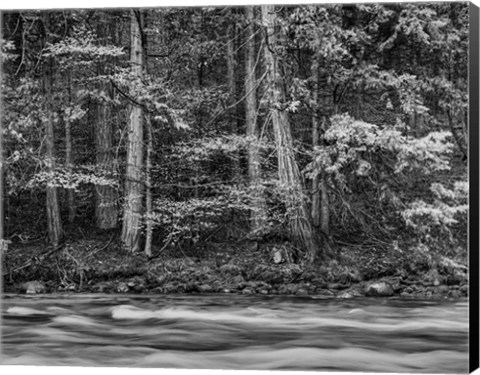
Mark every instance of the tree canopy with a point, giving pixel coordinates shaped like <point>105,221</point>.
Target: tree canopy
<point>322,126</point>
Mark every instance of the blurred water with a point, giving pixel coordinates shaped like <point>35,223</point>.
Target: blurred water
<point>236,332</point>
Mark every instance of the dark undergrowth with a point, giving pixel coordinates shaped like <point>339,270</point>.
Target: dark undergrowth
<point>248,267</point>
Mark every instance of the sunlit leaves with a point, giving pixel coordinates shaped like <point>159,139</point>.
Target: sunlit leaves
<point>72,180</point>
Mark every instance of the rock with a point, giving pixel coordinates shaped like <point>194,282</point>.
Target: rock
<point>442,289</point>
<point>247,291</point>
<point>325,292</point>
<point>33,287</point>
<point>277,257</point>
<point>347,294</point>
<point>380,289</point>
<point>408,290</point>
<point>464,289</point>
<point>263,291</point>
<point>238,280</point>
<point>230,269</point>
<point>122,287</point>
<point>301,292</point>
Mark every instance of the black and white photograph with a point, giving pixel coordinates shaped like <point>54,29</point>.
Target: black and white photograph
<point>262,186</point>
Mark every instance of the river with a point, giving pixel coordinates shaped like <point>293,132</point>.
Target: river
<point>236,332</point>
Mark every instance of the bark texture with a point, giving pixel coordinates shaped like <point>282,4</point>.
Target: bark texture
<point>3,245</point>
<point>106,196</point>
<point>320,198</point>
<point>68,155</point>
<point>232,91</point>
<point>300,227</point>
<point>55,231</point>
<point>258,216</point>
<point>106,211</point>
<point>316,199</point>
<point>148,198</point>
<point>133,212</point>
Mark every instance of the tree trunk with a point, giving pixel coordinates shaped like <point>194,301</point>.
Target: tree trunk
<point>258,214</point>
<point>106,211</point>
<point>232,93</point>
<point>324,196</point>
<point>315,137</point>
<point>68,153</point>
<point>132,218</point>
<point>148,199</point>
<point>3,244</point>
<point>106,196</point>
<point>54,222</point>
<point>300,227</point>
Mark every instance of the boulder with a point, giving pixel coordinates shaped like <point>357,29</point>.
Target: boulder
<point>301,292</point>
<point>33,287</point>
<point>380,289</point>
<point>122,287</point>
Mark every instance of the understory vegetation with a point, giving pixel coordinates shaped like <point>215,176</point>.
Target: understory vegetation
<point>271,150</point>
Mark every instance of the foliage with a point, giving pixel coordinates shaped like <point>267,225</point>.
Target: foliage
<point>379,165</point>
<point>390,80</point>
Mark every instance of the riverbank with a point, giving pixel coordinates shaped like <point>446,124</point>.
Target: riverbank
<point>248,268</point>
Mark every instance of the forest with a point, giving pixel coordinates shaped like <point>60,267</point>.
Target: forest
<point>303,150</point>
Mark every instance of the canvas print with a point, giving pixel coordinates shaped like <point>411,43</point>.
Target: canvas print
<point>261,187</point>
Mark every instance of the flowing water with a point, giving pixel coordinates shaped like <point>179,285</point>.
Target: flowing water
<point>236,332</point>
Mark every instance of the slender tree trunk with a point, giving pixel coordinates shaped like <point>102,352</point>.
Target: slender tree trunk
<point>132,219</point>
<point>300,227</point>
<point>3,244</point>
<point>258,215</point>
<point>232,91</point>
<point>148,198</point>
<point>106,211</point>
<point>68,154</point>
<point>315,137</point>
<point>324,196</point>
<point>320,198</point>
<point>54,222</point>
